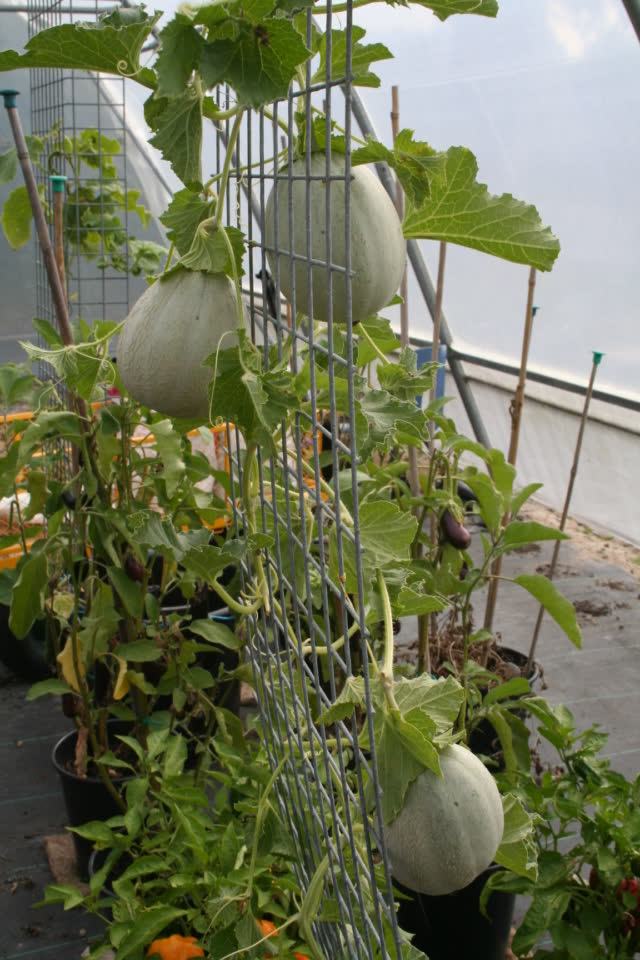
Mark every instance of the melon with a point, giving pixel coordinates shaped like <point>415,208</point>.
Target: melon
<point>450,827</point>
<point>378,248</point>
<point>175,325</point>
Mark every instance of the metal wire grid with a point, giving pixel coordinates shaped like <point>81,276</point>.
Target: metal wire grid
<point>321,792</point>
<point>71,102</point>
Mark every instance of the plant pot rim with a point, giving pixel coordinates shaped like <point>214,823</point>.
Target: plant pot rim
<point>89,778</point>
<point>522,658</point>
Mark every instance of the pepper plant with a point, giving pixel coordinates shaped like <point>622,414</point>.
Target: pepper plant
<point>586,900</point>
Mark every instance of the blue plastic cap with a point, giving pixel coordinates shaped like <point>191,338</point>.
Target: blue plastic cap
<point>597,357</point>
<point>9,97</point>
<point>58,181</point>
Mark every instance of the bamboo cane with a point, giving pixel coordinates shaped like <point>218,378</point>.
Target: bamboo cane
<point>517,405</point>
<point>597,357</point>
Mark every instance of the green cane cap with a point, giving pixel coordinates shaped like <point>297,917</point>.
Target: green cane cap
<point>58,181</point>
<point>597,357</point>
<point>9,97</point>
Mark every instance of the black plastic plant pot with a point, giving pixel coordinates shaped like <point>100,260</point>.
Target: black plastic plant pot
<point>452,927</point>
<point>484,740</point>
<point>85,798</point>
<point>29,658</point>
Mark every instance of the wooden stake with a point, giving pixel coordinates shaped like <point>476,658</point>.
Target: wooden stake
<point>517,405</point>
<point>597,357</point>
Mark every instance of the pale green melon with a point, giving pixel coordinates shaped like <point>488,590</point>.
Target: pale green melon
<point>171,330</point>
<point>450,827</point>
<point>378,249</point>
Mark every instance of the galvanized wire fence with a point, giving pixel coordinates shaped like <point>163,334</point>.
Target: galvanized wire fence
<point>64,105</point>
<point>327,784</point>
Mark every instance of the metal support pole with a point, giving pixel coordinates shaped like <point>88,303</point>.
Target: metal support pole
<point>597,357</point>
<point>425,282</point>
<point>633,9</point>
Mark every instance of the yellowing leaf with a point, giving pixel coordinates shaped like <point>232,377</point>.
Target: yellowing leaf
<point>122,686</point>
<point>68,668</point>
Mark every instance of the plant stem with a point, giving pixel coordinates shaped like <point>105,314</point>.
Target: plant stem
<point>374,346</point>
<point>169,258</point>
<point>226,168</point>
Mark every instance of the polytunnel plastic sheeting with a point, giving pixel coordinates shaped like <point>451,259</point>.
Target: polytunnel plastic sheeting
<point>547,96</point>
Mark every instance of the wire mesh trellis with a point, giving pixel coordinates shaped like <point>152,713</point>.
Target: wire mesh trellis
<point>327,784</point>
<point>65,104</point>
<point>326,780</point>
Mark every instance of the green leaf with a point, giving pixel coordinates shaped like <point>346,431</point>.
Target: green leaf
<point>67,895</point>
<point>379,330</point>
<point>518,850</point>
<point>414,161</point>
<point>461,210</point>
<point>49,425</point>
<point>128,590</point>
<point>259,63</point>
<point>518,533</point>
<point>522,496</point>
<point>8,165</point>
<point>182,217</point>
<point>515,687</point>
<point>383,421</point>
<point>109,46</point>
<point>16,218</point>
<point>169,446</point>
<point>209,251</point>
<point>448,8</point>
<point>175,756</point>
<point>490,501</point>
<point>216,633</point>
<point>38,493</point>
<point>146,926</point>
<point>45,687</point>
<point>411,603</point>
<point>403,379</point>
<point>557,606</point>
<point>17,383</point>
<point>386,531</point>
<point>351,696</point>
<point>27,601</point>
<point>362,56</point>
<point>139,651</point>
<point>96,831</point>
<point>397,742</point>
<point>180,49</point>
<point>440,699</point>
<point>178,126</point>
